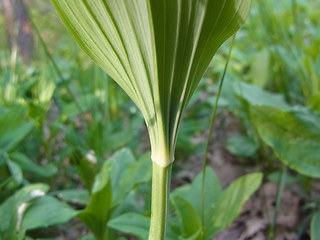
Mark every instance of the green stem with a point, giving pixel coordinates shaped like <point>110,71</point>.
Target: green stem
<point>212,120</point>
<point>159,202</point>
<point>280,190</point>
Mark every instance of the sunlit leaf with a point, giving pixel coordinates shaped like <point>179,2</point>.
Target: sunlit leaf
<point>232,200</point>
<point>260,68</point>
<point>157,51</point>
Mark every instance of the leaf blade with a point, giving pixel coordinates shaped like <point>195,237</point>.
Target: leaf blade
<point>293,136</point>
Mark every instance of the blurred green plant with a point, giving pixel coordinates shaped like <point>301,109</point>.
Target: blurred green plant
<point>290,62</point>
<point>30,208</point>
<point>14,128</point>
<point>110,192</point>
<point>110,187</point>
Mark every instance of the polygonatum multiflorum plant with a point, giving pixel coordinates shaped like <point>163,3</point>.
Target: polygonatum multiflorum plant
<point>157,51</point>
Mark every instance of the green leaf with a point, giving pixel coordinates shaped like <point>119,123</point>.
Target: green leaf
<point>44,88</point>
<point>127,172</point>
<point>13,128</point>
<point>232,200</point>
<point>221,207</point>
<point>86,166</point>
<point>314,102</point>
<point>121,160</point>
<point>118,176</point>
<point>78,196</point>
<point>192,192</point>
<point>46,211</point>
<point>28,165</point>
<point>132,223</point>
<point>315,230</point>
<point>189,218</point>
<point>87,237</point>
<point>15,171</point>
<point>293,135</point>
<point>157,51</point>
<point>8,210</point>
<point>260,68</point>
<point>276,178</point>
<point>124,135</point>
<point>134,174</point>
<point>84,103</point>
<point>242,146</point>
<point>256,95</point>
<point>97,213</point>
<point>131,203</point>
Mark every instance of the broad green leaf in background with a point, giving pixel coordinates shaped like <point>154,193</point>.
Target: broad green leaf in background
<point>293,135</point>
<point>232,200</point>
<point>260,68</point>
<point>84,103</point>
<point>221,206</point>
<point>44,212</point>
<point>28,165</point>
<point>276,178</point>
<point>87,237</point>
<point>75,196</point>
<point>189,218</point>
<point>157,51</point>
<point>130,203</point>
<point>117,177</point>
<point>97,213</point>
<point>123,136</point>
<point>13,128</point>
<point>44,88</point>
<point>242,146</point>
<point>314,102</point>
<point>192,191</point>
<point>315,230</point>
<point>132,223</point>
<point>86,165</point>
<point>15,171</point>
<point>120,160</point>
<point>133,174</point>
<point>256,95</point>
<point>8,210</point>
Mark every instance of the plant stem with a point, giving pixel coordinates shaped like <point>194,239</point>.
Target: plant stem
<point>159,203</point>
<point>212,120</point>
<point>280,190</point>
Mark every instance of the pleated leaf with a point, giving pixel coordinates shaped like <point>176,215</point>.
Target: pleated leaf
<point>156,50</point>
